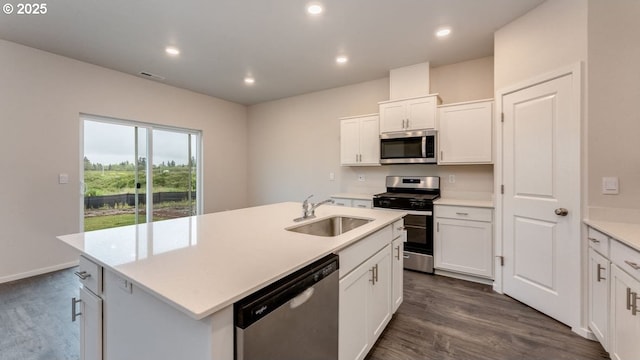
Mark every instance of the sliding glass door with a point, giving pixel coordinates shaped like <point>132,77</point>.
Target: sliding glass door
<point>134,173</point>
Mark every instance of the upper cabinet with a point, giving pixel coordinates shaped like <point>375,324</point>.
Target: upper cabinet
<point>360,140</point>
<point>465,133</point>
<point>409,114</point>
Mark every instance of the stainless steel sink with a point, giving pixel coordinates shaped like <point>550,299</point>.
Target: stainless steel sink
<point>332,226</point>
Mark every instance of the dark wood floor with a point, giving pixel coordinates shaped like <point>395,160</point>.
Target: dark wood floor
<point>441,318</point>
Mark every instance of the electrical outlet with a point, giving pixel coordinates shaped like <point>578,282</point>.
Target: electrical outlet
<point>452,179</point>
<point>332,176</point>
<point>360,177</point>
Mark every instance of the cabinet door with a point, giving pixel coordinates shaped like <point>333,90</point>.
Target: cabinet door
<point>599,296</point>
<point>354,339</point>
<point>349,141</point>
<point>370,140</point>
<point>464,246</point>
<point>392,117</point>
<point>90,326</point>
<point>466,133</point>
<point>421,113</point>
<point>397,249</point>
<point>625,326</point>
<point>380,296</point>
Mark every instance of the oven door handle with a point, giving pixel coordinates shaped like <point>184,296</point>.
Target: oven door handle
<point>414,227</point>
<point>424,147</point>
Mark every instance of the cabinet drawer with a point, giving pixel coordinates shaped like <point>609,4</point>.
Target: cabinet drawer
<point>342,202</point>
<point>365,204</point>
<point>626,258</point>
<point>464,213</point>
<point>359,252</point>
<point>90,275</point>
<point>598,241</point>
<point>397,228</point>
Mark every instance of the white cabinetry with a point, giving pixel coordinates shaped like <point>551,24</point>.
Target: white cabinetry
<point>625,302</point>
<point>397,253</point>
<point>614,294</point>
<point>464,240</point>
<point>88,309</point>
<point>360,141</point>
<point>352,202</point>
<point>409,114</point>
<point>465,133</point>
<point>599,275</point>
<point>366,290</point>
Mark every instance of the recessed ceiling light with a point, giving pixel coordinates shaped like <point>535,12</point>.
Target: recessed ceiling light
<point>314,9</point>
<point>342,59</point>
<point>249,80</point>
<point>172,50</point>
<point>443,32</point>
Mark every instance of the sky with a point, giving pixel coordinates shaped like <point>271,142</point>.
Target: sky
<point>112,144</point>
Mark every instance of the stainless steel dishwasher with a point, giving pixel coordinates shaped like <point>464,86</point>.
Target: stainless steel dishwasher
<point>296,318</point>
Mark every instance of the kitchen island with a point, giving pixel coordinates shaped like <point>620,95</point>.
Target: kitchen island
<point>169,287</point>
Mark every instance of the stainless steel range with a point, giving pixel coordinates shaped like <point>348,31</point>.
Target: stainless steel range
<point>415,195</point>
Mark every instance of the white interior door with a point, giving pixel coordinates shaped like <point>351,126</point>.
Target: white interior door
<point>541,177</point>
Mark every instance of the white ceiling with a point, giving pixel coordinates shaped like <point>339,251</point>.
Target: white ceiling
<point>287,51</point>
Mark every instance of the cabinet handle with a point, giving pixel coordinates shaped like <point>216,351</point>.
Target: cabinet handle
<point>376,272</point>
<point>438,227</point>
<point>635,266</point>
<point>595,241</point>
<point>373,275</point>
<point>600,268</point>
<point>74,313</point>
<point>82,275</point>
<point>407,123</point>
<point>634,303</point>
<point>462,213</point>
<point>628,298</point>
<point>441,155</point>
<point>398,252</point>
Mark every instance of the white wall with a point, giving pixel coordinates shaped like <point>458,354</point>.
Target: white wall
<point>295,142</point>
<point>465,81</point>
<point>40,100</point>
<point>547,38</point>
<point>614,115</point>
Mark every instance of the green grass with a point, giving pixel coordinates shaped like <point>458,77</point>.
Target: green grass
<point>110,221</point>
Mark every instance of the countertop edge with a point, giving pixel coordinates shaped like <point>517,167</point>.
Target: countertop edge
<point>626,233</point>
<point>384,221</point>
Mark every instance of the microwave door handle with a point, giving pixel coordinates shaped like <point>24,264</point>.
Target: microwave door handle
<point>424,146</point>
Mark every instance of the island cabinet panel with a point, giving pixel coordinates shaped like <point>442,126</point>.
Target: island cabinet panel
<point>137,325</point>
<point>397,254</point>
<point>365,306</point>
<point>90,326</point>
<point>599,275</point>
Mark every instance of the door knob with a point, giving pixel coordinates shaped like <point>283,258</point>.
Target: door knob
<point>562,211</point>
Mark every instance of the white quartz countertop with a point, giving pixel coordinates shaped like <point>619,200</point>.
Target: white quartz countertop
<point>626,233</point>
<point>202,264</point>
<point>464,202</point>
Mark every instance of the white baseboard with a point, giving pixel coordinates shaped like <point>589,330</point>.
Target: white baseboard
<point>35,272</point>
<point>584,332</point>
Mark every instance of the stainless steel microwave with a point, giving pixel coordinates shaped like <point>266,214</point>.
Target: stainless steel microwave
<point>411,147</point>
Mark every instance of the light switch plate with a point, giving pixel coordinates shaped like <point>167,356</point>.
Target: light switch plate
<point>610,186</point>
<point>63,178</point>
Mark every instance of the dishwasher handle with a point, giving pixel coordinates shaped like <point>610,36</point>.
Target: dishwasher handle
<point>302,298</point>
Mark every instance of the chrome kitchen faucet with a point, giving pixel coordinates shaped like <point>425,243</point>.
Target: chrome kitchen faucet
<point>309,209</point>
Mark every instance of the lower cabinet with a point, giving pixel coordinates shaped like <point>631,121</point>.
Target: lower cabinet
<point>625,316</point>
<point>365,305</point>
<point>397,254</point>
<point>464,240</point>
<point>349,202</point>
<point>599,296</point>
<point>90,325</point>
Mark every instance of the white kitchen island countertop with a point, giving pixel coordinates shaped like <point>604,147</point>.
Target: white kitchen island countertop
<point>202,264</point>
